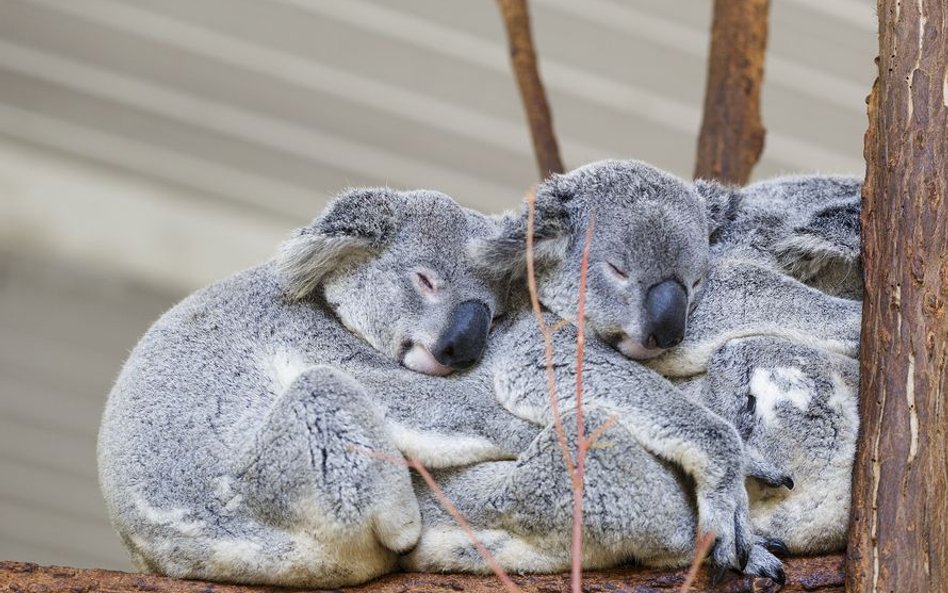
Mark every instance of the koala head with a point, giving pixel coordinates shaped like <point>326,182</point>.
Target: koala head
<point>647,258</point>
<point>394,268</point>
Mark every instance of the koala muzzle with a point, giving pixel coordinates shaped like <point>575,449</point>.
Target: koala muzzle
<point>462,342</point>
<point>666,312</point>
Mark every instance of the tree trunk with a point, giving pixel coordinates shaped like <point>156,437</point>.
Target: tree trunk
<point>524,61</point>
<point>823,574</point>
<point>897,536</point>
<point>732,135</point>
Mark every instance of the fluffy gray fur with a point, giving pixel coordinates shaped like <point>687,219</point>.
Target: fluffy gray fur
<point>242,439</point>
<point>667,467</point>
<point>237,442</point>
<point>796,408</point>
<point>774,312</point>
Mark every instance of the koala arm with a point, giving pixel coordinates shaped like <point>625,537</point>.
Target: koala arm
<point>661,418</point>
<point>446,421</point>
<point>744,299</point>
<point>317,461</point>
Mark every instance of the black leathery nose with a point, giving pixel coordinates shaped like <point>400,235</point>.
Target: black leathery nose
<point>666,313</point>
<point>463,340</point>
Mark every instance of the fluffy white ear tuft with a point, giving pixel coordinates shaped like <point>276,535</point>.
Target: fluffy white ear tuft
<point>357,223</point>
<point>306,259</point>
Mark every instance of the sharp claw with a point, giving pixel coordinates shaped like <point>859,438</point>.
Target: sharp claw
<point>776,547</point>
<point>780,577</point>
<point>788,482</point>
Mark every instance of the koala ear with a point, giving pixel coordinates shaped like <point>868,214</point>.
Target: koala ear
<point>830,236</point>
<point>505,254</point>
<point>722,202</point>
<point>357,223</point>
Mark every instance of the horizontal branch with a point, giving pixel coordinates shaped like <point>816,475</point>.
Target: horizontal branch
<point>817,573</point>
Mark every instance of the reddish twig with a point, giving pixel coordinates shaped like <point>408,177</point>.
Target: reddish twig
<point>547,331</point>
<point>702,547</point>
<point>582,445</point>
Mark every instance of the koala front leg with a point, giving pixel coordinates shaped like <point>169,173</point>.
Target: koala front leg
<point>661,418</point>
<point>634,508</point>
<point>311,468</point>
<point>744,299</point>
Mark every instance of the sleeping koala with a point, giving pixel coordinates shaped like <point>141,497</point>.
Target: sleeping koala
<point>806,225</point>
<point>677,447</point>
<point>796,409</point>
<point>241,440</point>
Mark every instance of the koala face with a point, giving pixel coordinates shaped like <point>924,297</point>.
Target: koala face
<point>647,259</point>
<point>394,268</point>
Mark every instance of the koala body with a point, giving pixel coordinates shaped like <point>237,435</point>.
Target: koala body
<point>667,450</point>
<point>796,409</point>
<point>242,439</point>
<point>774,316</point>
<point>667,467</point>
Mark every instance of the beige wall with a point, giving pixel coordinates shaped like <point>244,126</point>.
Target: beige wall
<point>150,146</point>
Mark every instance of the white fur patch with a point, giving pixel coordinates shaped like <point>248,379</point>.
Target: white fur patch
<point>283,367</point>
<point>173,518</point>
<point>776,385</point>
<point>436,450</point>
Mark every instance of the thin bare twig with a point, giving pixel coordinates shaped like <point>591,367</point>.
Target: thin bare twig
<point>524,62</point>
<point>547,331</point>
<point>452,510</point>
<point>702,547</point>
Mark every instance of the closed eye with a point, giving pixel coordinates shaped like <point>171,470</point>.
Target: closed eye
<point>425,284</point>
<point>617,271</point>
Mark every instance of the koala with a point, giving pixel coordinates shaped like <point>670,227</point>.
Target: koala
<point>248,436</point>
<point>658,419</point>
<point>796,409</point>
<point>807,226</point>
<point>667,467</point>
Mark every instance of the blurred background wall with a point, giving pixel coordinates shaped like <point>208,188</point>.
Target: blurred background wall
<point>148,147</point>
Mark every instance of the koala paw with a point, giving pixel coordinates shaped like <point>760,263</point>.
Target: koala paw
<point>762,563</point>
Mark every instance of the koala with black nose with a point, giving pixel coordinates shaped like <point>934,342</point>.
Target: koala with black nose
<point>248,437</point>
<point>648,257</point>
<point>682,441</point>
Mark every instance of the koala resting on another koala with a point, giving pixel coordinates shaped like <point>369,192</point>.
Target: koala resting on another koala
<point>790,390</point>
<point>248,437</point>
<point>668,464</point>
<point>238,442</point>
<point>806,428</point>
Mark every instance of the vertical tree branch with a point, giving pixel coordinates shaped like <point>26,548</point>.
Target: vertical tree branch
<point>524,61</point>
<point>732,135</point>
<point>898,535</point>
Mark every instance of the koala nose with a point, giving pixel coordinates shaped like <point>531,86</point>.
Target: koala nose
<point>666,311</point>
<point>462,343</point>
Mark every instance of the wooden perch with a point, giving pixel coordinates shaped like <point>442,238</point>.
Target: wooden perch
<point>732,135</point>
<point>524,61</point>
<point>898,537</point>
<point>818,573</point>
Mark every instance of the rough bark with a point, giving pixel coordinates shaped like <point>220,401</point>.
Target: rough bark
<point>819,573</point>
<point>524,61</point>
<point>898,538</point>
<point>732,135</point>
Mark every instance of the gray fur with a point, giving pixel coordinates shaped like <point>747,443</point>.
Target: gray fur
<point>667,461</point>
<point>782,273</point>
<point>233,445</point>
<point>796,409</point>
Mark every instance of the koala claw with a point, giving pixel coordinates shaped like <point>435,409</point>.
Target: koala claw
<point>762,563</point>
<point>775,546</point>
